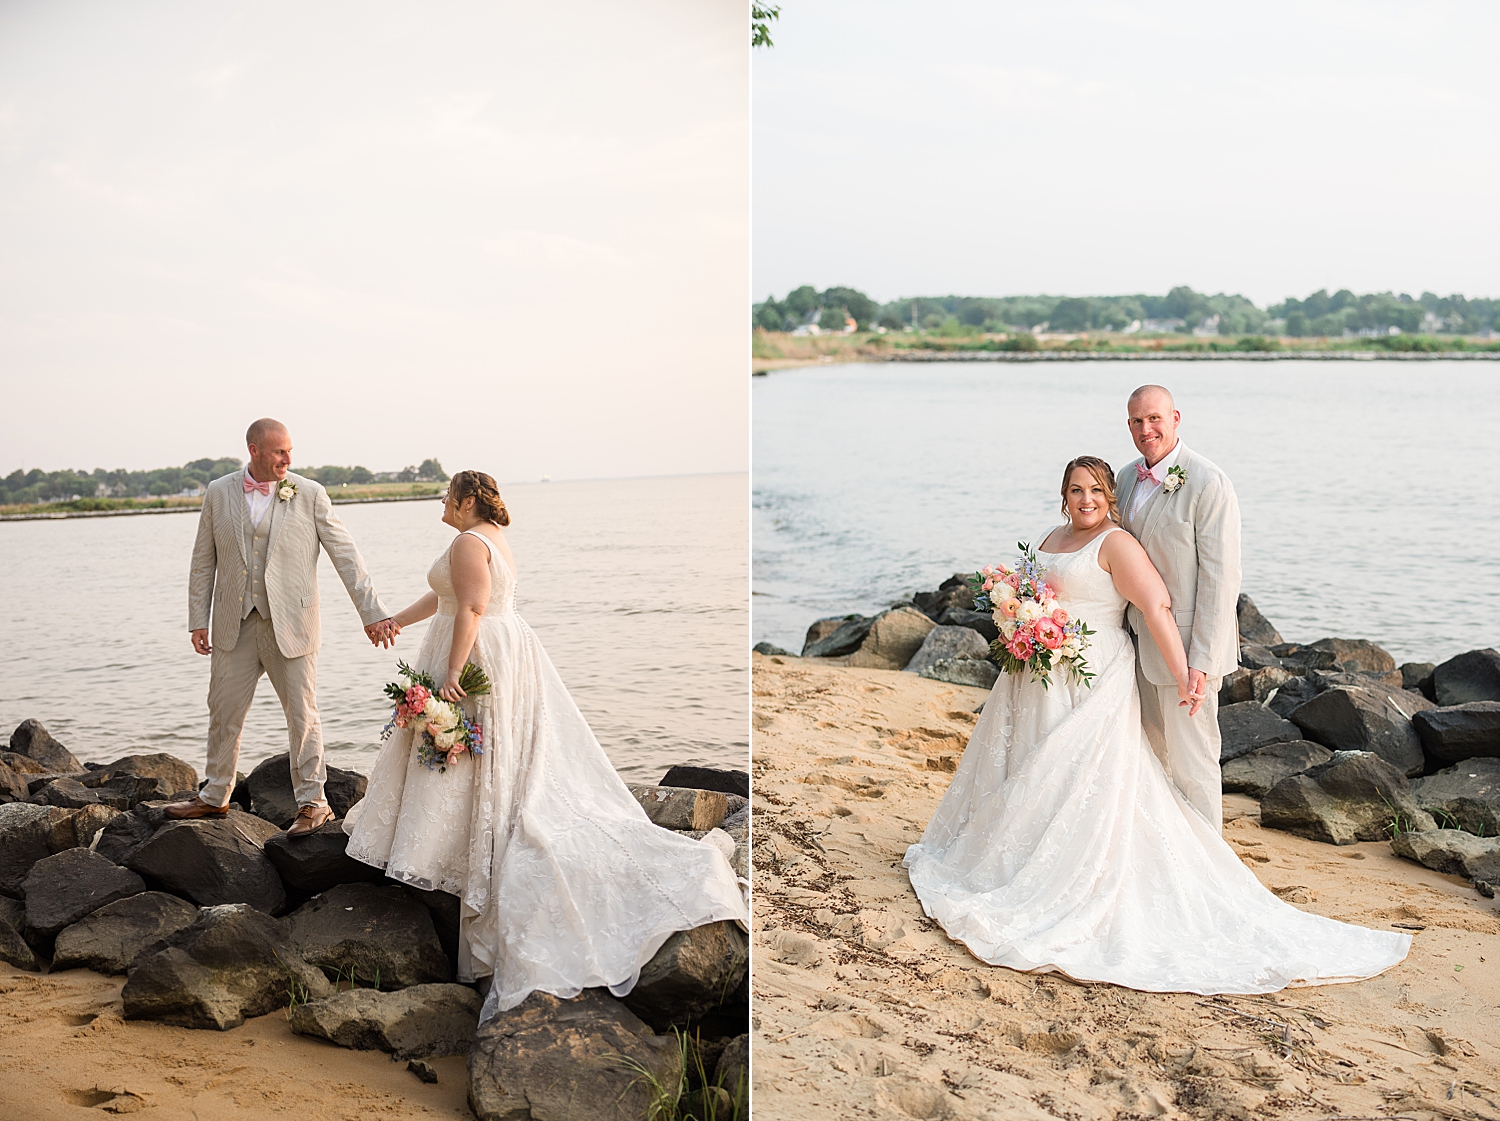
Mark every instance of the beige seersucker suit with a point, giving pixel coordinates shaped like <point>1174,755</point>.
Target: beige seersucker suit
<point>1192,536</point>
<point>256,588</point>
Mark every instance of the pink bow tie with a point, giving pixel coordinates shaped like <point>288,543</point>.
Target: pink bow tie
<point>1142,473</point>
<point>251,484</point>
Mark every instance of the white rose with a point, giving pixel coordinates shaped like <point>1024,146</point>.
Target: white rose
<point>1171,483</point>
<point>286,493</point>
<point>1029,612</point>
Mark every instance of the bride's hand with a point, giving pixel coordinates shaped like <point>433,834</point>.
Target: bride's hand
<point>450,689</point>
<point>1188,699</point>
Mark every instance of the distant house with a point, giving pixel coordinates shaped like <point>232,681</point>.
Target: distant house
<point>1163,324</point>
<point>1135,325</point>
<point>1206,327</point>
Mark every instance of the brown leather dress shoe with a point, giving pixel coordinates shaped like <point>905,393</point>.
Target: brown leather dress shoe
<point>308,819</point>
<point>193,807</point>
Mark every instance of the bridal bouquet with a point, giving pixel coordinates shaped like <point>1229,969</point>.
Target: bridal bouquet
<point>1035,633</point>
<point>442,731</point>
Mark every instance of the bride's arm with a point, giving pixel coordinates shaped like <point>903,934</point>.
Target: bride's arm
<point>1138,581</point>
<point>419,610</point>
<point>470,563</point>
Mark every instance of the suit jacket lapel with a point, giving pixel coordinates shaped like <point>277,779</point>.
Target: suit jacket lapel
<point>237,496</point>
<point>1157,503</point>
<point>275,514</point>
<point>1130,484</point>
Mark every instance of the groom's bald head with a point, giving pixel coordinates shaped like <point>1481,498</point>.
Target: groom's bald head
<point>1158,395</point>
<point>259,430</point>
<point>1153,422</point>
<point>270,446</point>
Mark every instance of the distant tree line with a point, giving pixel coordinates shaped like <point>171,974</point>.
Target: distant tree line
<point>36,485</point>
<point>1319,314</point>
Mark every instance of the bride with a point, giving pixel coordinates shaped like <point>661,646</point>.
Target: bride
<point>564,883</point>
<point>1061,845</point>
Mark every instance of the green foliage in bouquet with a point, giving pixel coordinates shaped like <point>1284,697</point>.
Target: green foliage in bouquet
<point>472,681</point>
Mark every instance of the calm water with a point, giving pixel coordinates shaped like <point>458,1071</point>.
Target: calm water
<point>635,587</point>
<point>1368,490</point>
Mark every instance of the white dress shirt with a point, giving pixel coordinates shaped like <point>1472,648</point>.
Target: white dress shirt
<point>1144,490</point>
<point>258,503</point>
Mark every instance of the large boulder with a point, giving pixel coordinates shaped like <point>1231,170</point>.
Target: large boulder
<point>981,621</point>
<point>35,742</point>
<point>376,934</point>
<point>1474,676</point>
<point>954,593</point>
<point>843,638</point>
<point>26,833</point>
<point>124,833</point>
<point>70,794</point>
<point>418,1022</point>
<point>229,963</point>
<point>445,909</point>
<point>269,787</point>
<point>895,636</point>
<point>1304,656</point>
<point>109,939</point>
<point>144,778</point>
<point>681,808</point>
<point>1254,656</point>
<point>732,1071</point>
<point>1254,627</point>
<point>1417,676</point>
<point>549,1059</point>
<point>1356,655</point>
<point>1459,732</point>
<point>1244,727</point>
<point>1291,695</point>
<point>14,950</point>
<point>60,890</point>
<point>1356,796</point>
<point>213,860</point>
<point>88,823</point>
<point>22,764</point>
<point>1246,684</point>
<point>691,973</point>
<point>317,861</point>
<point>943,643</point>
<point>1452,852</point>
<point>708,778</point>
<point>1465,796</point>
<point>1366,718</point>
<point>13,785</point>
<point>975,672</point>
<point>1258,770</point>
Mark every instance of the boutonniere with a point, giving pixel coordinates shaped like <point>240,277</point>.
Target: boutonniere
<point>288,490</point>
<point>1176,476</point>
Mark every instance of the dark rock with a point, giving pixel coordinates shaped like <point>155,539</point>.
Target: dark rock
<point>424,1020</point>
<point>1257,771</point>
<point>1356,655</point>
<point>953,593</point>
<point>126,832</point>
<point>708,778</point>
<point>318,861</point>
<point>1292,695</point>
<point>1304,657</point>
<point>895,636</point>
<point>25,837</point>
<point>231,962</point>
<point>13,786</point>
<point>1254,628</point>
<point>1460,732</point>
<point>1413,674</point>
<point>1244,727</point>
<point>424,1071</point>
<point>60,890</point>
<point>550,1058</point>
<point>1360,718</point>
<point>35,742</point>
<point>212,861</point>
<point>1356,796</point>
<point>270,790</point>
<point>771,650</point>
<point>1466,796</point>
<point>1253,656</point>
<point>370,931</point>
<point>692,972</point>
<point>1252,685</point>
<point>1474,676</point>
<point>981,621</point>
<point>87,823</point>
<point>444,907</point>
<point>13,911</point>
<point>944,642</point>
<point>842,639</point>
<point>974,672</point>
<point>679,808</point>
<point>22,764</point>
<point>144,778</point>
<point>70,794</point>
<point>1452,852</point>
<point>14,950</point>
<point>109,939</point>
<point>733,1068</point>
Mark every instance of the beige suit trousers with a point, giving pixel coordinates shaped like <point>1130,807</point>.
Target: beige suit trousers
<point>1188,746</point>
<point>233,675</point>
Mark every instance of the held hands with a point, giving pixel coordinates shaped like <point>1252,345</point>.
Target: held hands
<point>1190,693</point>
<point>383,633</point>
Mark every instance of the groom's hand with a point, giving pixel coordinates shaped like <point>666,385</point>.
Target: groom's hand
<point>383,633</point>
<point>1197,688</point>
<point>200,641</point>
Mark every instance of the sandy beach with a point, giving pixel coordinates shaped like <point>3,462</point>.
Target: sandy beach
<point>863,1008</point>
<point>68,1054</point>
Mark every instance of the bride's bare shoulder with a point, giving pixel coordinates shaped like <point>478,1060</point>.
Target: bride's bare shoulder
<point>1120,547</point>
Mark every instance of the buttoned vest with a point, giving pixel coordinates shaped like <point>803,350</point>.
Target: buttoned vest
<point>257,541</point>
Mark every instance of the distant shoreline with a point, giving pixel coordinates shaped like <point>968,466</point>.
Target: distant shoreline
<point>187,508</point>
<point>764,367</point>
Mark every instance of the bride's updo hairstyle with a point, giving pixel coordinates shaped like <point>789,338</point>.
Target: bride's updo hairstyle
<point>481,488</point>
<point>1101,471</point>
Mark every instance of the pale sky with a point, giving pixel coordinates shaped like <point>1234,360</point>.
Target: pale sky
<point>975,147</point>
<point>512,236</point>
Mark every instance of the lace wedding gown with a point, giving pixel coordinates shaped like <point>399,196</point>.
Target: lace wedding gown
<point>564,882</point>
<point>1062,845</point>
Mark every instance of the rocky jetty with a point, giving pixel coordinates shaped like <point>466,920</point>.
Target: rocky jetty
<point>216,920</point>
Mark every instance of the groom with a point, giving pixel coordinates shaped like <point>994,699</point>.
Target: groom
<point>1183,511</point>
<point>256,560</point>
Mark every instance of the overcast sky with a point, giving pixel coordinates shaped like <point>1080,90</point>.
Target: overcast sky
<point>512,236</point>
<point>977,147</point>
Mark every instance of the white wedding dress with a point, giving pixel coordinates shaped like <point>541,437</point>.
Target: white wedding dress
<point>1062,845</point>
<point>563,881</point>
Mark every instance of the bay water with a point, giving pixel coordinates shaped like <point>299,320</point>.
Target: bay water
<point>1369,490</point>
<point>635,587</point>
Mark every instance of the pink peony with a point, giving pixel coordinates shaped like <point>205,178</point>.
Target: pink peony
<point>1020,647</point>
<point>1049,634</point>
<point>417,696</point>
<point>1060,617</point>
